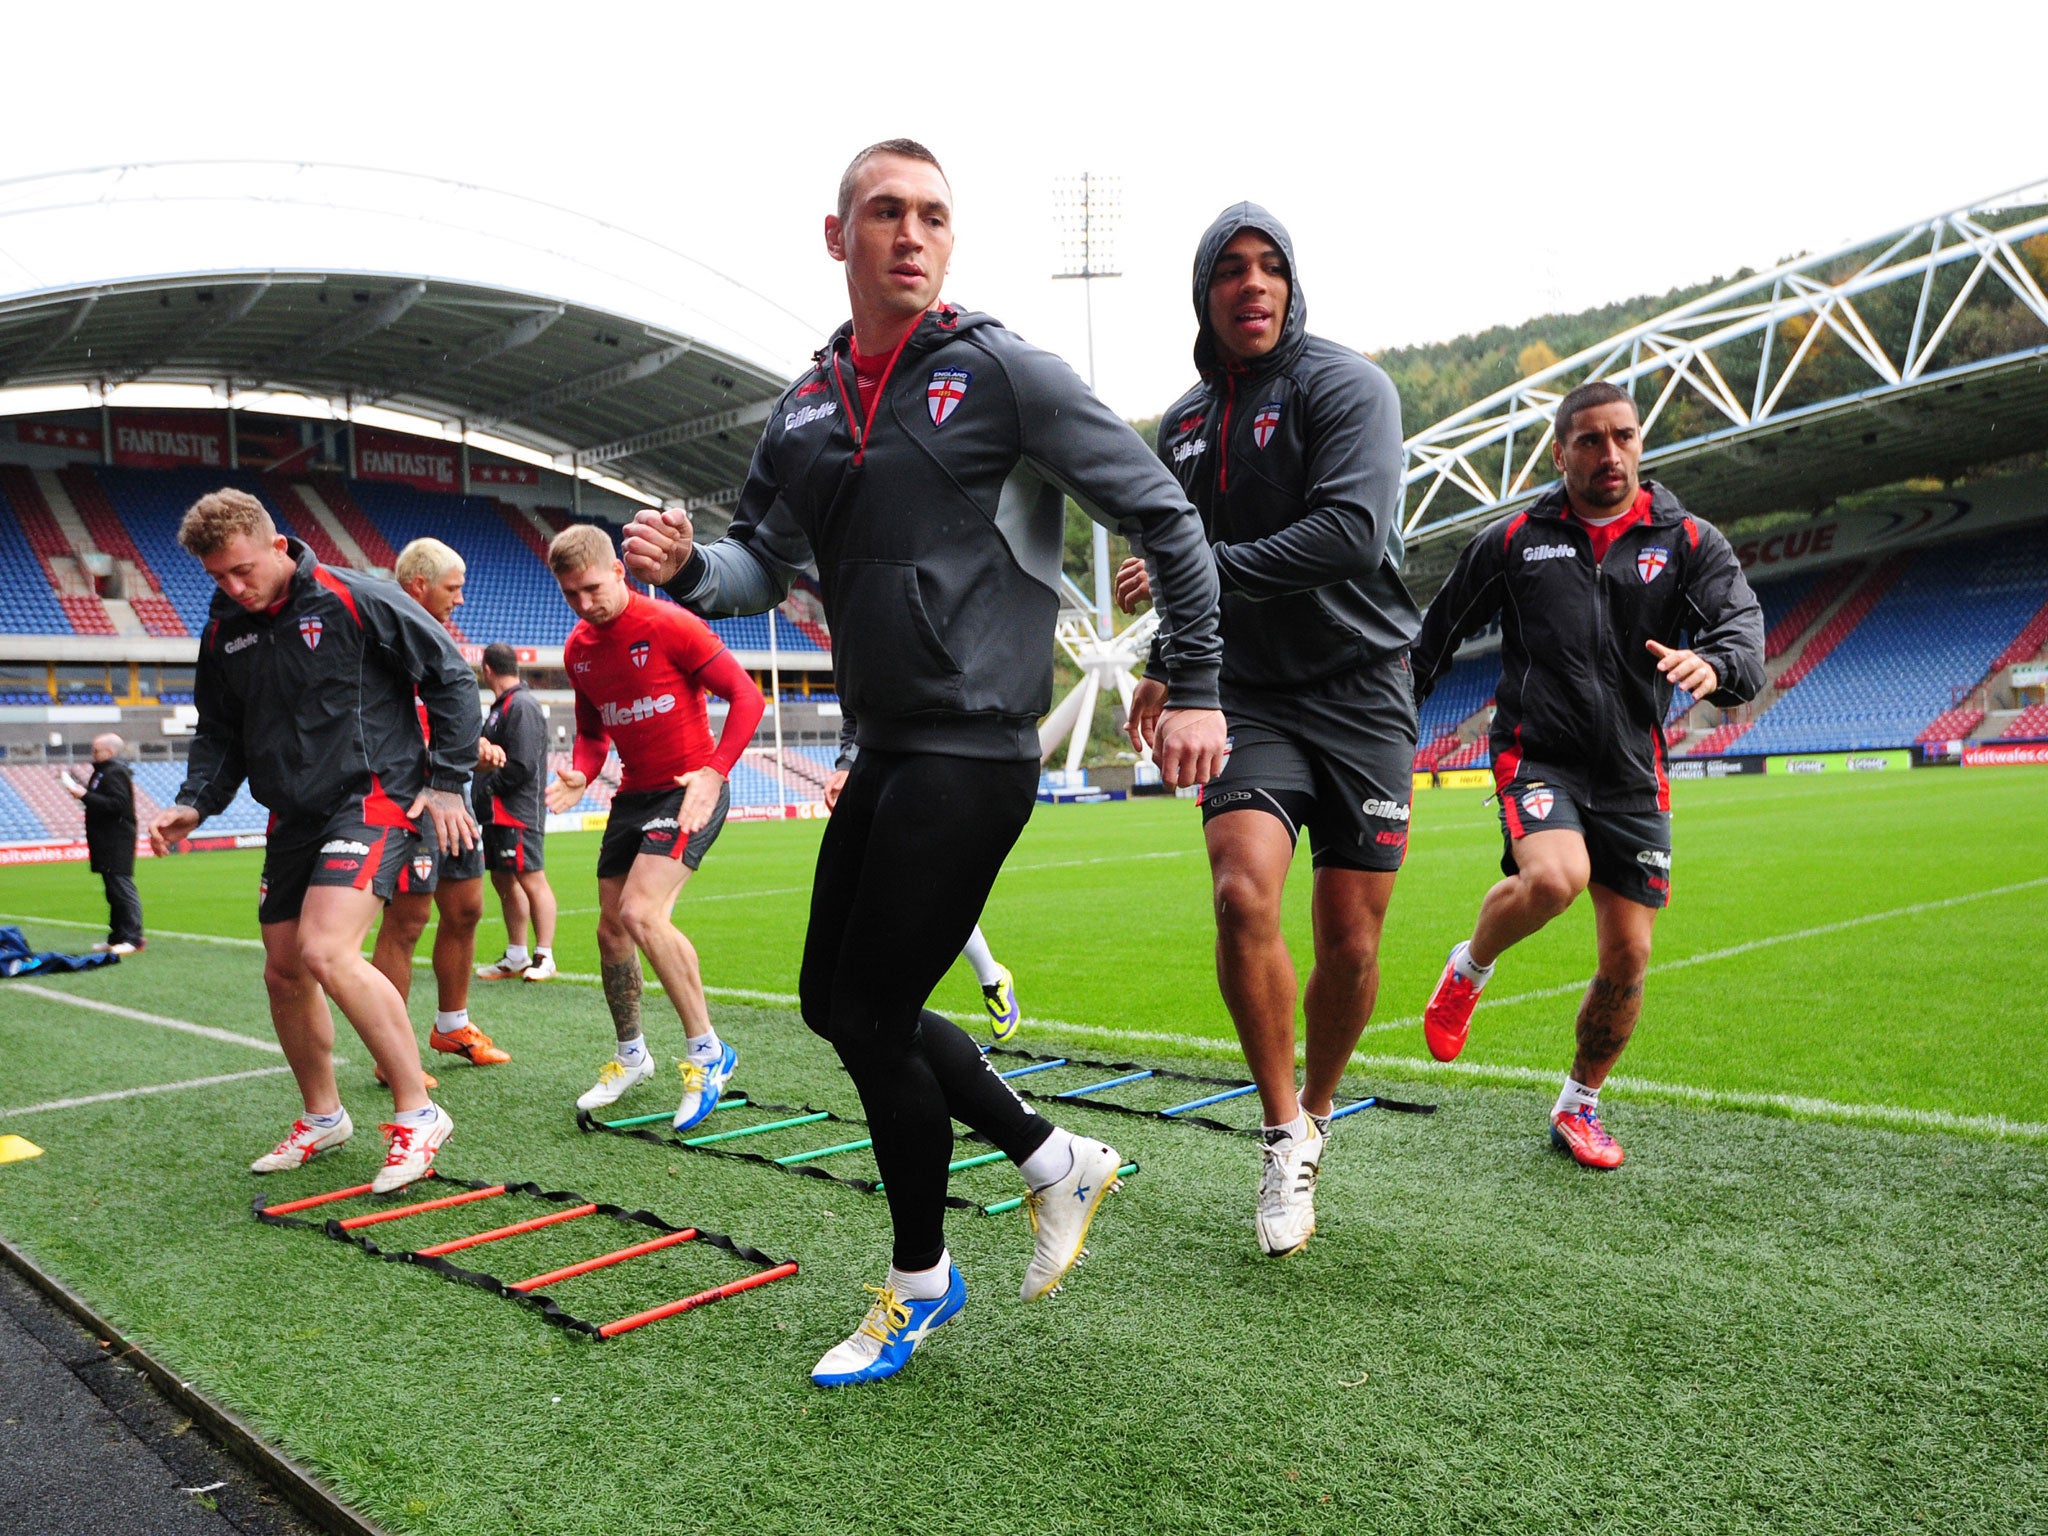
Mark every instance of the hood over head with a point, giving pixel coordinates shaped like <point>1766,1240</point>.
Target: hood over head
<point>1242,216</point>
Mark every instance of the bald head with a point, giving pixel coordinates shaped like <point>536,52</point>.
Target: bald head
<point>104,747</point>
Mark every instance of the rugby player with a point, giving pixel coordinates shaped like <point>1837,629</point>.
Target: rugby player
<point>515,829</point>
<point>640,669</point>
<point>998,986</point>
<point>308,685</point>
<point>447,882</point>
<point>1290,446</point>
<point>922,464</point>
<point>1598,587</point>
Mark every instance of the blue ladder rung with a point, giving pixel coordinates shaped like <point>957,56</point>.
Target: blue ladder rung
<point>1352,1109</point>
<point>1042,1066</point>
<point>1214,1098</point>
<point>1114,1082</point>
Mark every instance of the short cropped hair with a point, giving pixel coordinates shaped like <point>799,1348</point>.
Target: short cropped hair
<point>908,149</point>
<point>220,516</point>
<point>500,660</point>
<point>428,559</point>
<point>1585,397</point>
<point>578,549</point>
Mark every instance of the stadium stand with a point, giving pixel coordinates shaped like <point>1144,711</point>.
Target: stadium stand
<point>145,592</point>
<point>1460,693</point>
<point>84,613</point>
<point>19,823</point>
<point>2030,724</point>
<point>1951,724</point>
<point>1940,618</point>
<point>28,595</point>
<point>1792,605</point>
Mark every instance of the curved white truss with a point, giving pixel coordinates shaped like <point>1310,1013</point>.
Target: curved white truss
<point>1496,451</point>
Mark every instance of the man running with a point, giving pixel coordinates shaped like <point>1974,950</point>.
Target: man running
<point>307,686</point>
<point>515,821</point>
<point>449,882</point>
<point>640,669</point>
<point>998,986</point>
<point>922,465</point>
<point>1290,446</point>
<point>1596,586</point>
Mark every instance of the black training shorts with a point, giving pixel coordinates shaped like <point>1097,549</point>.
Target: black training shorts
<point>1336,757</point>
<point>1630,851</point>
<point>513,850</point>
<point>429,866</point>
<point>342,850</point>
<point>645,823</point>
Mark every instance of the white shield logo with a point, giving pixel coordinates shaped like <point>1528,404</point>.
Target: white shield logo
<point>942,396</point>
<point>1538,803</point>
<point>309,631</point>
<point>1651,562</point>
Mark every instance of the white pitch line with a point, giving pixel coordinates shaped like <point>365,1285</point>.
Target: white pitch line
<point>186,1026</point>
<point>154,933</point>
<point>136,1093</point>
<point>1769,941</point>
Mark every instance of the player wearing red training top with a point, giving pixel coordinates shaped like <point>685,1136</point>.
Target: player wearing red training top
<point>640,670</point>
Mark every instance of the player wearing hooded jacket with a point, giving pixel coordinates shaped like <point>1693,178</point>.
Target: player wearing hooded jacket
<point>922,464</point>
<point>1596,587</point>
<point>1290,447</point>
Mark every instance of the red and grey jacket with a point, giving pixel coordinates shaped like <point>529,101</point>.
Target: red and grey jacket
<point>1581,703</point>
<point>935,520</point>
<point>511,796</point>
<point>315,704</point>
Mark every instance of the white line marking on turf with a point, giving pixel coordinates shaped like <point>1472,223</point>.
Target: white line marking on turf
<point>1769,941</point>
<point>136,1093</point>
<point>206,1031</point>
<point>154,933</point>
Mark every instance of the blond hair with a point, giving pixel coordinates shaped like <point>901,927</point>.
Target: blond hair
<point>219,517</point>
<point>579,548</point>
<point>428,559</point>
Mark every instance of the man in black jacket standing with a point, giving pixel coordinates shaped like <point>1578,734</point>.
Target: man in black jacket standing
<point>923,463</point>
<point>1596,586</point>
<point>515,821</point>
<point>309,686</point>
<point>1290,446</point>
<point>109,801</point>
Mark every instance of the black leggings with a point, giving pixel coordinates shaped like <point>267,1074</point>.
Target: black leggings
<point>908,859</point>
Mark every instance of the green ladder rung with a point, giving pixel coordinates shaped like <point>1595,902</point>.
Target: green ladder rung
<point>666,1114</point>
<point>844,1146</point>
<point>756,1130</point>
<point>965,1162</point>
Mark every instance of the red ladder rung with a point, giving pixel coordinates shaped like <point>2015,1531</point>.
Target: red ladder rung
<point>371,1218</point>
<point>514,1230</point>
<point>716,1293</point>
<point>602,1260</point>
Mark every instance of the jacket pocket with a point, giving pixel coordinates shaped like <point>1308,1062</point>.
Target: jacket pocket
<point>888,655</point>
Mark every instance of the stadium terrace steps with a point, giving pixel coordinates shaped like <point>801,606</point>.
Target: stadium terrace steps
<point>1842,623</point>
<point>1810,598</point>
<point>2027,644</point>
<point>300,521</point>
<point>75,599</point>
<point>1952,725</point>
<point>2030,724</point>
<point>334,491</point>
<point>1717,741</point>
<point>159,616</point>
<point>524,528</point>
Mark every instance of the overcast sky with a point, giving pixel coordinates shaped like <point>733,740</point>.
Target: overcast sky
<point>1459,167</point>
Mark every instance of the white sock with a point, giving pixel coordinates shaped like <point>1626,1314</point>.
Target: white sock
<point>1463,963</point>
<point>1575,1095</point>
<point>1053,1160</point>
<point>515,954</point>
<point>705,1047</point>
<point>633,1052</point>
<point>1294,1130</point>
<point>447,1023</point>
<point>922,1284</point>
<point>421,1116</point>
<point>977,955</point>
<point>324,1122</point>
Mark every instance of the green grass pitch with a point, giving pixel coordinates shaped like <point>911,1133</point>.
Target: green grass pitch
<point>1830,1316</point>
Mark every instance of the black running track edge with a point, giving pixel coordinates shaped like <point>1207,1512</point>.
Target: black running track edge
<point>305,1492</point>
<point>550,1310</point>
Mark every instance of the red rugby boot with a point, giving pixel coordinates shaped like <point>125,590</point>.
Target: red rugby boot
<point>1580,1133</point>
<point>1448,1018</point>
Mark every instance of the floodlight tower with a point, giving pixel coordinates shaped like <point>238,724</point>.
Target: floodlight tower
<point>1085,208</point>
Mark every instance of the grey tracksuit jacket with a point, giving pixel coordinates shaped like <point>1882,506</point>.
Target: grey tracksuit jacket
<point>1294,463</point>
<point>936,528</point>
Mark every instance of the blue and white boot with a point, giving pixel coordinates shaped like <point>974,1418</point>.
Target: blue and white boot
<point>702,1084</point>
<point>889,1334</point>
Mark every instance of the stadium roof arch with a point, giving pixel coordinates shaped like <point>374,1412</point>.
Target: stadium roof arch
<point>395,299</point>
<point>1921,351</point>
